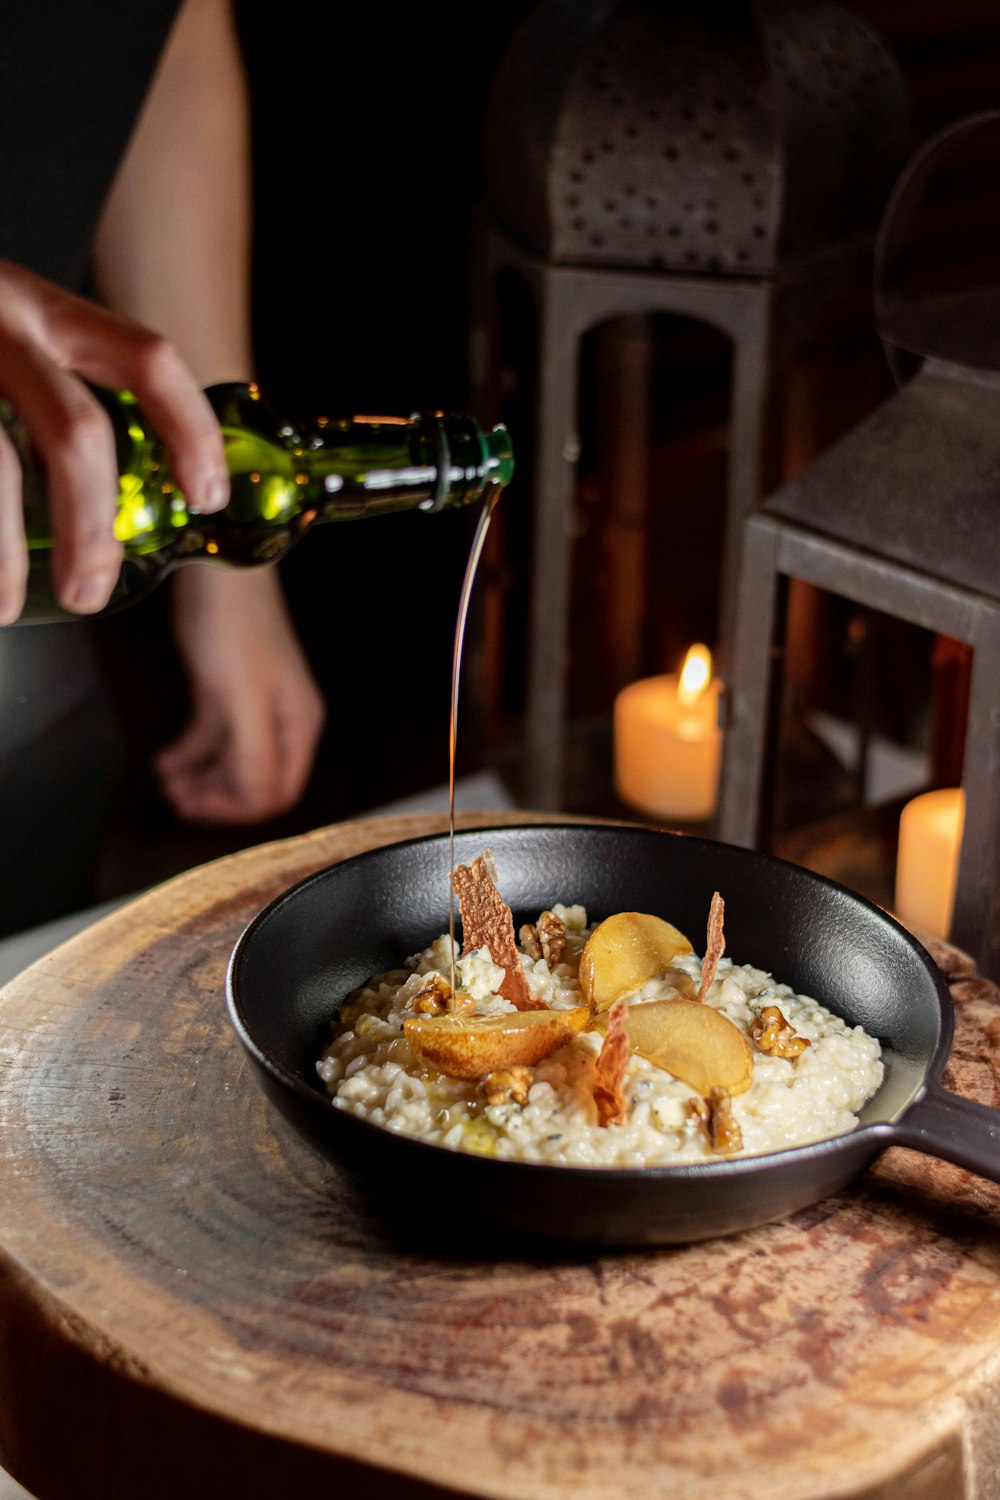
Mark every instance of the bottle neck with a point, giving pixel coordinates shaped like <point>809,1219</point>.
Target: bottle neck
<point>430,462</point>
<point>350,467</point>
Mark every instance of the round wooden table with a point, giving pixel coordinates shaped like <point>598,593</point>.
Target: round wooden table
<point>194,1303</point>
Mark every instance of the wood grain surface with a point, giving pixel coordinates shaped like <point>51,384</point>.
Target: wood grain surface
<point>194,1303</point>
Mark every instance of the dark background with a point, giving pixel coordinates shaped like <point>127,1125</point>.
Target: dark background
<point>367,127</point>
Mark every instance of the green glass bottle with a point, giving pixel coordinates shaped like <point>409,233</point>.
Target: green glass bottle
<point>285,478</point>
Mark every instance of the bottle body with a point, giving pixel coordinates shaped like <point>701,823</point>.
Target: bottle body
<point>284,479</point>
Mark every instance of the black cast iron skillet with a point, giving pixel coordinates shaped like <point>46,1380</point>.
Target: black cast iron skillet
<point>322,938</point>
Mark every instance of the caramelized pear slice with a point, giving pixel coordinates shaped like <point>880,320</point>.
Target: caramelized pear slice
<point>695,1043</point>
<point>623,952</point>
<point>472,1046</point>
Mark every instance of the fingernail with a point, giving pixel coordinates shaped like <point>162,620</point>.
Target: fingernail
<point>90,594</point>
<point>217,492</point>
<point>12,596</point>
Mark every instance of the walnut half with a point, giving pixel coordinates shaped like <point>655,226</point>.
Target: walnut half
<point>773,1034</point>
<point>546,938</point>
<point>508,1085</point>
<point>432,998</point>
<point>715,1115</point>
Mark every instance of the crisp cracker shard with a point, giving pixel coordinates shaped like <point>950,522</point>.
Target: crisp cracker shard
<point>487,923</point>
<point>715,944</point>
<point>609,1068</point>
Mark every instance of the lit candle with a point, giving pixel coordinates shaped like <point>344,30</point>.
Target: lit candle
<point>930,837</point>
<point>668,742</point>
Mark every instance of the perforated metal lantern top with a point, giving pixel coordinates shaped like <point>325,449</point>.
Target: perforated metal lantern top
<point>701,136</point>
<point>917,482</point>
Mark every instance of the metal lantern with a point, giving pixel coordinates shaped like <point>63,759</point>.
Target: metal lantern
<point>726,162</point>
<point>902,516</point>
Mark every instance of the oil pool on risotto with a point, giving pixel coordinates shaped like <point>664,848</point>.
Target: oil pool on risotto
<point>579,1045</point>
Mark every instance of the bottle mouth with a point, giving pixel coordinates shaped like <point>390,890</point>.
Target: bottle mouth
<point>501,454</point>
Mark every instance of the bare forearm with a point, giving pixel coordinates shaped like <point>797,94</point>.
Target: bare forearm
<point>173,251</point>
<point>173,248</point>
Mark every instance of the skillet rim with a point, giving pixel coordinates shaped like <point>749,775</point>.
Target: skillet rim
<point>873,1136</point>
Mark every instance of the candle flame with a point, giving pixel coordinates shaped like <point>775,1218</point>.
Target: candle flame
<point>696,674</point>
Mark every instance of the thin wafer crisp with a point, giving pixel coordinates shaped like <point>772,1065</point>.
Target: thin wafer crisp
<point>487,923</point>
<point>715,944</point>
<point>609,1069</point>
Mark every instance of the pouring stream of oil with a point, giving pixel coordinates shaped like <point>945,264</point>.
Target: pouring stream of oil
<point>490,499</point>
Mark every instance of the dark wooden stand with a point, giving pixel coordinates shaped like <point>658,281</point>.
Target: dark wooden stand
<point>193,1303</point>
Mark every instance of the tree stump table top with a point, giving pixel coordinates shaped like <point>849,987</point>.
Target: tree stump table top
<point>192,1301</point>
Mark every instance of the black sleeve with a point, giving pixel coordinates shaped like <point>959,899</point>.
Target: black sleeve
<point>73,75</point>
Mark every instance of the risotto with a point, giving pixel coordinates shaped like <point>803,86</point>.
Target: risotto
<point>805,1086</point>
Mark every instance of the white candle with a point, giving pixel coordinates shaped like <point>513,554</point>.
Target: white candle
<point>668,743</point>
<point>930,837</point>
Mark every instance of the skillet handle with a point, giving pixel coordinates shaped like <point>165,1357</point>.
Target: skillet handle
<point>955,1129</point>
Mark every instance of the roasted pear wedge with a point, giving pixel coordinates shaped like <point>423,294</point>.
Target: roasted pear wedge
<point>695,1043</point>
<point>472,1046</point>
<point>623,952</point>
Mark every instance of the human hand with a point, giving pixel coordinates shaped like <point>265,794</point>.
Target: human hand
<point>249,748</point>
<point>50,343</point>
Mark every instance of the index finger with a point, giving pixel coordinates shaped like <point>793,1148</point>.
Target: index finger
<point>178,409</point>
<point>73,438</point>
<point>13,546</point>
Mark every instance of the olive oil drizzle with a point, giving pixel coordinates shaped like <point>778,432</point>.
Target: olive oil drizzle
<point>490,498</point>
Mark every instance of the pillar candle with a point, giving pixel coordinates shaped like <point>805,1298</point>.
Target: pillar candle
<point>668,744</point>
<point>930,837</point>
